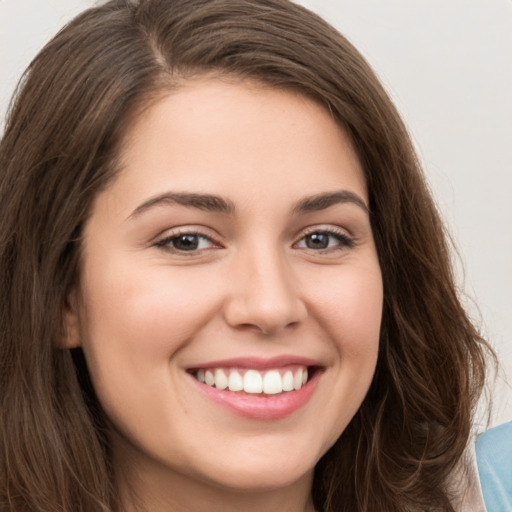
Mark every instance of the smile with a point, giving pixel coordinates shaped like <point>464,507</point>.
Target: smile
<point>259,389</point>
<point>252,381</point>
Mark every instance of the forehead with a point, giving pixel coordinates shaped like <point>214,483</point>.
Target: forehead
<point>241,137</point>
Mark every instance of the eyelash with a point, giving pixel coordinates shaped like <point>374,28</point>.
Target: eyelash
<point>344,241</point>
<point>166,243</point>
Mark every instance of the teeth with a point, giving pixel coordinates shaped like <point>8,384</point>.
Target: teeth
<point>236,383</point>
<point>272,383</point>
<point>269,382</point>
<point>297,379</point>
<point>253,383</point>
<point>221,381</point>
<point>209,378</point>
<point>288,381</point>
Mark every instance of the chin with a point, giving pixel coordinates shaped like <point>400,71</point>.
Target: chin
<point>261,481</point>
<point>246,475</point>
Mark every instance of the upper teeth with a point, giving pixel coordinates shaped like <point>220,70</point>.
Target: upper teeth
<point>269,382</point>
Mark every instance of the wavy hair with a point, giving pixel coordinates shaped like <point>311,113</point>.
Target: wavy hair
<point>59,149</point>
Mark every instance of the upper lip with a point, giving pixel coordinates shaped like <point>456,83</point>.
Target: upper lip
<point>258,363</point>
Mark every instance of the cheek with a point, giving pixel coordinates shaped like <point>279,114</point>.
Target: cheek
<point>136,323</point>
<point>357,336</point>
<point>139,319</point>
<point>144,299</point>
<point>349,304</point>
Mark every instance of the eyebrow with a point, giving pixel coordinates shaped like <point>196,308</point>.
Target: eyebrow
<point>324,201</point>
<point>213,203</point>
<point>205,202</point>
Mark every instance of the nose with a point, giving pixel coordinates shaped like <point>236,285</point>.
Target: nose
<point>264,295</point>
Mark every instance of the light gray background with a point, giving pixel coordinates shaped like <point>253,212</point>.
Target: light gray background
<point>448,66</point>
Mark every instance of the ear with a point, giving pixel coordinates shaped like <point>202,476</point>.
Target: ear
<point>71,322</point>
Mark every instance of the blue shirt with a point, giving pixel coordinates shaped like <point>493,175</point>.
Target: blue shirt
<point>494,457</point>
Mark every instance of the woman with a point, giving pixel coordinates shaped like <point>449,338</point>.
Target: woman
<point>225,284</point>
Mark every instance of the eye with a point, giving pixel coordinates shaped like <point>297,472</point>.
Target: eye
<point>186,242</point>
<point>325,239</point>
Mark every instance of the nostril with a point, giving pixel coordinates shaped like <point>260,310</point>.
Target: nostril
<point>263,316</point>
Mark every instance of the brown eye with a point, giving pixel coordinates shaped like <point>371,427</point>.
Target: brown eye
<point>186,242</point>
<point>321,240</point>
<point>317,241</point>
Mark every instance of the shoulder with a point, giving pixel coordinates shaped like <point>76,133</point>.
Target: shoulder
<point>494,458</point>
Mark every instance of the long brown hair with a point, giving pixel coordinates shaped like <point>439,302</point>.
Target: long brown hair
<point>59,150</point>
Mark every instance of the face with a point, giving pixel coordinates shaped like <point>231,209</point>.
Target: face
<point>231,295</point>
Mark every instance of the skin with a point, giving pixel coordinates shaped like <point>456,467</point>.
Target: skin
<point>146,312</point>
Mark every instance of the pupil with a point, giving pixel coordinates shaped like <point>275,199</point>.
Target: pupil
<point>186,242</point>
<point>317,241</point>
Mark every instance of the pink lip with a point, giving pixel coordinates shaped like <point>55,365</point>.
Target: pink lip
<point>260,407</point>
<point>258,363</point>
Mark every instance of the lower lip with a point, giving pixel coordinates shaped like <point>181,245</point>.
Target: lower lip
<point>258,407</point>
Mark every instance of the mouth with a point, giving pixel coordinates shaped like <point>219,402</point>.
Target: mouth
<point>258,389</point>
<point>273,381</point>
